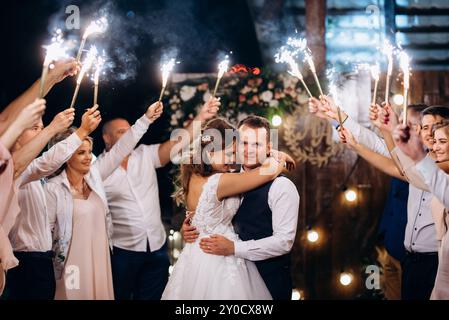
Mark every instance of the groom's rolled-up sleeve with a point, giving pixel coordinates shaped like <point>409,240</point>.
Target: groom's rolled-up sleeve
<point>283,200</point>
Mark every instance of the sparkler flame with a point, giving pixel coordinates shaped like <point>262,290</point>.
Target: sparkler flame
<point>97,26</point>
<point>287,55</point>
<point>375,71</point>
<point>166,70</point>
<point>309,59</point>
<point>98,67</point>
<point>300,44</point>
<point>223,67</point>
<point>87,64</point>
<point>56,50</point>
<point>405,67</point>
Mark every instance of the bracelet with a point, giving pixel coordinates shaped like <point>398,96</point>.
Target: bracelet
<point>342,122</point>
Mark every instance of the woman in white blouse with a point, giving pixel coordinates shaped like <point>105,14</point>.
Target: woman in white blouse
<point>439,212</point>
<point>80,218</point>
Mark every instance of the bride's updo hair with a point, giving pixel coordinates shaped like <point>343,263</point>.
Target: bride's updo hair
<point>213,137</point>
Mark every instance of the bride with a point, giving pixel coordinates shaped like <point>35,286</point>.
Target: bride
<point>213,195</point>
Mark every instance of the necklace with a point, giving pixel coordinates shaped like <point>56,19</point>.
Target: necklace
<point>77,190</point>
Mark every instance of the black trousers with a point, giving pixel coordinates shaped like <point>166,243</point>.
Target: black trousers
<point>276,274</point>
<point>140,275</point>
<point>33,278</point>
<point>418,275</point>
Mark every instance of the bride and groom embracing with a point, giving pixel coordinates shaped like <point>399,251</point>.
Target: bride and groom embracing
<point>241,226</point>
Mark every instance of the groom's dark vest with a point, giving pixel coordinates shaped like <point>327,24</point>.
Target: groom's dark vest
<point>253,221</point>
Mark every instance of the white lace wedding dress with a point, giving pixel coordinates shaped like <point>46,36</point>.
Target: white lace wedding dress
<point>201,276</point>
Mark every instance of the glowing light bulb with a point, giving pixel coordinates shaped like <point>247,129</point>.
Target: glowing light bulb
<point>296,294</point>
<point>350,195</point>
<point>312,236</point>
<point>346,278</point>
<point>398,99</point>
<point>276,121</point>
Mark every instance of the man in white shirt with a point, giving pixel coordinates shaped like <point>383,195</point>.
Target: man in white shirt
<point>266,220</point>
<point>140,259</point>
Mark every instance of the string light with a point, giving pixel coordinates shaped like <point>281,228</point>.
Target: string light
<point>350,195</point>
<point>312,236</point>
<point>346,278</point>
<point>296,294</point>
<point>276,121</point>
<point>398,99</point>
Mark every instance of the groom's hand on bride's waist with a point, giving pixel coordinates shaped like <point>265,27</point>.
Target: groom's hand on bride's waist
<point>218,245</point>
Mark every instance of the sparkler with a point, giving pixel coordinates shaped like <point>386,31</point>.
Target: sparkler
<point>98,68</point>
<point>388,50</point>
<point>334,94</point>
<point>95,27</point>
<point>55,51</point>
<point>405,67</point>
<point>285,56</point>
<point>309,59</point>
<point>91,56</point>
<point>222,68</point>
<point>375,74</point>
<point>166,69</point>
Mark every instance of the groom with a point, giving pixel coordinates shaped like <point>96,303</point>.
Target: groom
<point>266,220</point>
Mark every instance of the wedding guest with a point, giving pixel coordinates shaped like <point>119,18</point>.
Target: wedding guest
<point>9,206</point>
<point>421,262</point>
<point>437,180</point>
<point>34,278</point>
<point>140,261</point>
<point>80,218</point>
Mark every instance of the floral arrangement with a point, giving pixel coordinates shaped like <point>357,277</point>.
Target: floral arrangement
<point>241,95</point>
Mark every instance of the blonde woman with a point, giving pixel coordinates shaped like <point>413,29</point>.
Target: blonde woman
<point>80,217</point>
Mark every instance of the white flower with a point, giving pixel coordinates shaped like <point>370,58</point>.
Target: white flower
<point>274,103</point>
<point>245,90</point>
<point>179,114</point>
<point>175,99</point>
<point>187,92</point>
<point>174,107</point>
<point>233,82</point>
<point>174,120</point>
<point>207,95</point>
<point>266,96</point>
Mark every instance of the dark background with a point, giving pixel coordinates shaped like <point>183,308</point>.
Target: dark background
<point>140,32</point>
